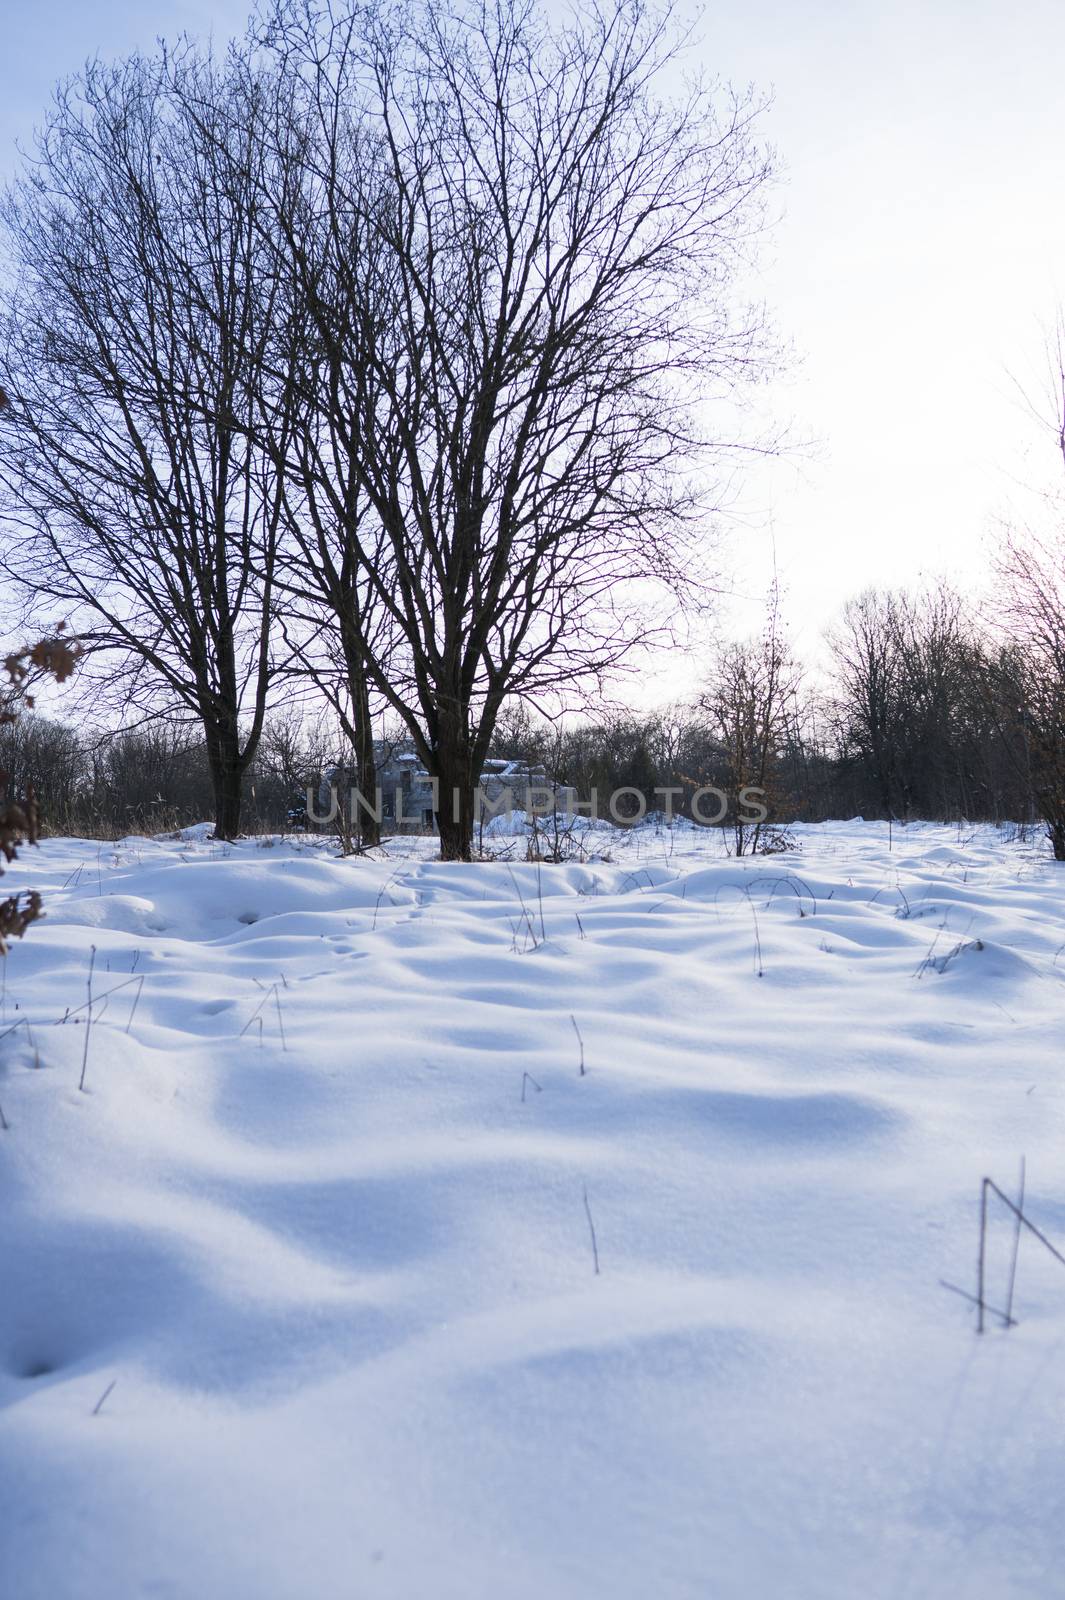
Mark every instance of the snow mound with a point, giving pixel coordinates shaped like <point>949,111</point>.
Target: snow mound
<point>401,1228</point>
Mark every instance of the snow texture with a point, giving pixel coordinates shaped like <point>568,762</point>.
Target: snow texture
<point>298,1295</point>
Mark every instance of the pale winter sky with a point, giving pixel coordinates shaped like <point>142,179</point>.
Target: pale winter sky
<point>921,253</point>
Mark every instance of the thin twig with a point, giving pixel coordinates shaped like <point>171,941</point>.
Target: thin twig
<point>1016,1243</point>
<point>98,1407</point>
<point>759,965</point>
<point>1008,1203</point>
<point>256,1016</point>
<point>527,1077</point>
<point>88,1020</point>
<point>591,1230</point>
<point>524,911</point>
<point>580,1041</point>
<point>280,1019</point>
<point>380,896</point>
<point>953,1287</point>
<point>23,1022</point>
<point>986,1185</point>
<point>98,1000</point>
<point>980,1261</point>
<point>136,1002</point>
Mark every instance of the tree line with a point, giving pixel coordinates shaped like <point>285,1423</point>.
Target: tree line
<point>921,710</point>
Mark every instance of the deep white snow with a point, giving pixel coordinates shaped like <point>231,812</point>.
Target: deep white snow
<point>298,1297</point>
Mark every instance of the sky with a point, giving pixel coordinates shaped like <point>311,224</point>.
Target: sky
<point>918,259</point>
<point>919,262</point>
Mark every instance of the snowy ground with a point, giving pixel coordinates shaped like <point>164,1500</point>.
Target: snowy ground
<point>298,1298</point>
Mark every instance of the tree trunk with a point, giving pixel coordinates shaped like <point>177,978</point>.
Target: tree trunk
<point>227,781</point>
<point>455,825</point>
<point>453,768</point>
<point>367,821</point>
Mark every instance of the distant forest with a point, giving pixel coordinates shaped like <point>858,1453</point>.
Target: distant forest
<point>925,716</point>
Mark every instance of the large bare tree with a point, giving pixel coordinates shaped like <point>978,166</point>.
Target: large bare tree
<point>133,349</point>
<point>520,259</point>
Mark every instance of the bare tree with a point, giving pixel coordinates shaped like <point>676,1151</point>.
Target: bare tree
<point>866,650</point>
<point>1027,676</point>
<point>332,558</point>
<point>523,282</point>
<point>748,705</point>
<point>132,345</point>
